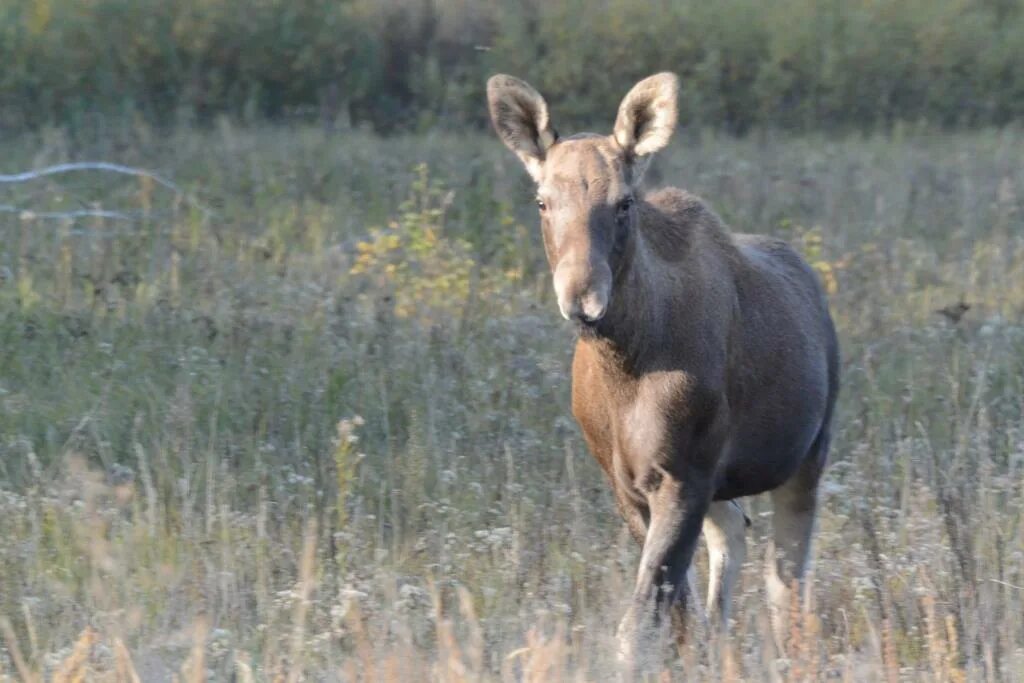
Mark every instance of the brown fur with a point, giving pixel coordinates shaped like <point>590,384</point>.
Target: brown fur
<point>707,364</point>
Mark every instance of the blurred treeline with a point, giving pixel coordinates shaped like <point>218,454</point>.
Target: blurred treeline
<point>406,65</point>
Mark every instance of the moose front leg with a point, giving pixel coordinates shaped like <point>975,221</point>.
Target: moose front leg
<point>633,514</point>
<point>677,508</point>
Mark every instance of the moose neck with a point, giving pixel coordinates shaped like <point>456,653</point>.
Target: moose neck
<point>630,334</point>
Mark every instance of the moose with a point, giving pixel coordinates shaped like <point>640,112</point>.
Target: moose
<point>706,362</point>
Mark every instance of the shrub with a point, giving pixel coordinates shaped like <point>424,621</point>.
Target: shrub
<point>412,64</point>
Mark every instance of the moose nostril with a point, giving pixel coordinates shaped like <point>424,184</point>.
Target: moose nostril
<point>582,316</point>
<point>593,307</point>
<point>574,312</point>
<point>587,309</point>
<point>582,292</point>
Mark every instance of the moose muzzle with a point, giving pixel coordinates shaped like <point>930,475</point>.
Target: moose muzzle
<point>583,290</point>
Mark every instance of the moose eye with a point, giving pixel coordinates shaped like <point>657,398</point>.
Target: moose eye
<point>623,207</point>
<point>540,204</point>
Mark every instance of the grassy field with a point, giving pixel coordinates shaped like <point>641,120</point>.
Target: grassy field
<point>306,418</point>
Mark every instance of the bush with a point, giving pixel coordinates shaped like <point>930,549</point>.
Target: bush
<point>413,64</point>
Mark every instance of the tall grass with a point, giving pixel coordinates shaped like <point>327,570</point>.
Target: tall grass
<point>321,429</point>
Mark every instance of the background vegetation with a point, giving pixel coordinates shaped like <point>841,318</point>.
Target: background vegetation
<point>413,64</point>
<point>293,404</point>
<point>311,417</point>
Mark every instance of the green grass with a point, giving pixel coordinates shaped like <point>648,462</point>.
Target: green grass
<point>178,395</point>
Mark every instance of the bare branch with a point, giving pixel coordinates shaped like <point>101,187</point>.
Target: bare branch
<point>1007,584</point>
<point>29,214</point>
<point>103,166</point>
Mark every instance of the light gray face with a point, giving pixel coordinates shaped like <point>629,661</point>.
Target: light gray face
<point>585,184</point>
<point>586,207</point>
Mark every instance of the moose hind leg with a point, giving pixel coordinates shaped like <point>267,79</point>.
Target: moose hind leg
<point>795,505</point>
<point>725,534</point>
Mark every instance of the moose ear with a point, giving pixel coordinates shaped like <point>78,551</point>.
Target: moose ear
<point>520,116</point>
<point>647,115</point>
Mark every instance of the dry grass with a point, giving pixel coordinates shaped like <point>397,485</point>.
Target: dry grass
<point>179,501</point>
